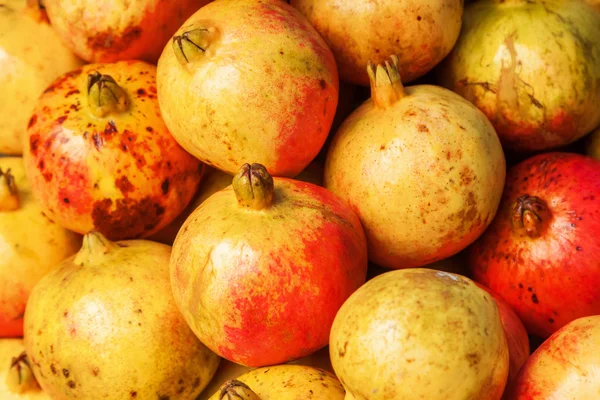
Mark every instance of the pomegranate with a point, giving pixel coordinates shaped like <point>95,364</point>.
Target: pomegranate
<point>31,57</point>
<point>104,31</point>
<point>228,371</point>
<point>421,33</point>
<point>260,269</point>
<point>516,335</point>
<point>99,156</point>
<point>17,381</point>
<point>564,367</point>
<point>532,66</point>
<point>249,80</point>
<point>31,245</point>
<point>103,325</point>
<point>422,168</point>
<point>418,333</point>
<point>540,253</point>
<point>285,382</point>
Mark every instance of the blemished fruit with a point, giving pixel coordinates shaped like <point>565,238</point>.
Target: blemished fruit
<point>541,252</point>
<point>17,381</point>
<point>260,269</point>
<point>592,147</point>
<point>516,335</point>
<point>422,168</point>
<point>99,156</point>
<point>31,245</point>
<point>104,324</point>
<point>283,382</point>
<point>564,367</point>
<point>104,31</point>
<point>532,66</point>
<point>420,334</point>
<point>228,371</point>
<point>422,33</point>
<point>32,56</point>
<point>249,81</point>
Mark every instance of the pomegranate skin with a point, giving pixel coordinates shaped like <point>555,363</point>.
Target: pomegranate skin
<point>564,367</point>
<point>550,276</point>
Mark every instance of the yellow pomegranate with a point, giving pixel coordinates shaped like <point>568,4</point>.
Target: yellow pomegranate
<point>422,32</point>
<point>422,167</point>
<point>104,31</point>
<point>17,381</point>
<point>99,156</point>
<point>249,81</point>
<point>532,66</point>
<point>104,324</point>
<point>31,57</point>
<point>420,334</point>
<point>229,370</point>
<point>31,245</point>
<point>282,382</point>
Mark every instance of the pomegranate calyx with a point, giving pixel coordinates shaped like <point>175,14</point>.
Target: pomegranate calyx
<point>20,378</point>
<point>95,245</point>
<point>235,389</point>
<point>386,83</point>
<point>9,195</point>
<point>191,45</point>
<point>530,215</point>
<point>253,186</point>
<point>105,96</point>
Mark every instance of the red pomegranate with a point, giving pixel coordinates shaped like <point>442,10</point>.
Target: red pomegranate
<point>541,251</point>
<point>516,335</point>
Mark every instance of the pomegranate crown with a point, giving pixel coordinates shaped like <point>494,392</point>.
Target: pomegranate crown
<point>386,83</point>
<point>105,96</point>
<point>9,195</point>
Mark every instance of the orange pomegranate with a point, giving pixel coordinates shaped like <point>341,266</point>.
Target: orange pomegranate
<point>99,156</point>
<point>249,80</point>
<point>260,269</point>
<point>115,30</point>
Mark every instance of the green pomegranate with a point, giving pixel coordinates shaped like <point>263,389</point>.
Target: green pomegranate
<point>532,66</point>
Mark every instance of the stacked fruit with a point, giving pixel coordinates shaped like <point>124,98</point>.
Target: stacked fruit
<point>203,199</point>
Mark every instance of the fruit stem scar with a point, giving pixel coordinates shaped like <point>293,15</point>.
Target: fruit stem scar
<point>9,195</point>
<point>386,83</point>
<point>253,186</point>
<point>191,45</point>
<point>530,216</point>
<point>20,377</point>
<point>235,389</point>
<point>105,96</point>
<point>95,246</point>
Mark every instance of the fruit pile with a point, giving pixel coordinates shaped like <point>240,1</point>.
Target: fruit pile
<point>305,199</point>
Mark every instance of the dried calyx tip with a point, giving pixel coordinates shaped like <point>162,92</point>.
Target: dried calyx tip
<point>105,96</point>
<point>235,389</point>
<point>191,45</point>
<point>386,83</point>
<point>94,246</point>
<point>20,377</point>
<point>253,186</point>
<point>9,195</point>
<point>530,215</point>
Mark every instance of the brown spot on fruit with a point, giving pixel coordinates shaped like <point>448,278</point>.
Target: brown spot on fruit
<point>66,200</point>
<point>128,219</point>
<point>47,176</point>
<point>535,299</point>
<point>62,119</point>
<point>149,129</point>
<point>124,185</point>
<point>141,92</point>
<point>71,384</point>
<point>473,359</point>
<point>65,372</point>
<point>165,186</point>
<point>111,128</point>
<point>423,128</point>
<point>34,142</point>
<point>133,394</point>
<point>53,369</point>
<point>32,121</point>
<point>323,84</point>
<point>97,140</point>
<point>72,92</point>
<point>108,41</point>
